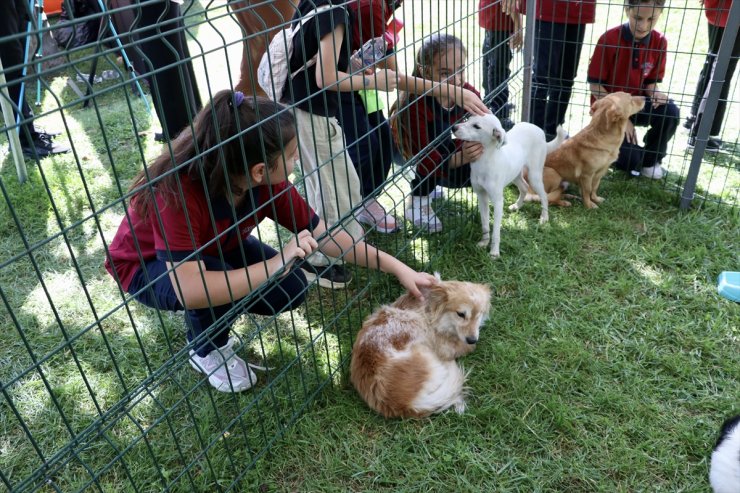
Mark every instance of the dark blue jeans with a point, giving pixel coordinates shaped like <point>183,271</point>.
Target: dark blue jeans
<point>151,286</point>
<point>557,48</point>
<point>715,34</point>
<point>496,72</point>
<point>663,122</point>
<point>369,143</point>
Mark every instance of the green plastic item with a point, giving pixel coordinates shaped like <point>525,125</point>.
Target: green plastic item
<point>371,100</point>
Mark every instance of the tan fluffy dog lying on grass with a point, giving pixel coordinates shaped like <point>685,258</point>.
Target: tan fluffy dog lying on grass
<point>403,361</point>
<point>585,158</point>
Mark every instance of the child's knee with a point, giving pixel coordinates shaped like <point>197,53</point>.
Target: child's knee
<point>672,110</point>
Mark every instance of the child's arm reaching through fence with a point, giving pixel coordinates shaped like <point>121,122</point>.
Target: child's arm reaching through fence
<point>337,243</point>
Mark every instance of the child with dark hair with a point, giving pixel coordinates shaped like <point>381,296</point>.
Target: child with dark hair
<point>716,12</point>
<point>186,243</point>
<point>422,127</point>
<point>632,58</point>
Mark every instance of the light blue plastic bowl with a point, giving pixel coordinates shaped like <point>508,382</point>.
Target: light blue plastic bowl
<point>728,285</point>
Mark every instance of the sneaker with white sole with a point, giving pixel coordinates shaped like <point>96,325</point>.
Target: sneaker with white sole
<point>226,371</point>
<point>334,276</point>
<point>437,193</point>
<point>372,214</point>
<point>420,213</point>
<point>653,172</point>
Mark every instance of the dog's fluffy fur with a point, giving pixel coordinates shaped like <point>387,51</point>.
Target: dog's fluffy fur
<point>504,158</point>
<point>585,158</point>
<point>724,472</point>
<point>403,361</point>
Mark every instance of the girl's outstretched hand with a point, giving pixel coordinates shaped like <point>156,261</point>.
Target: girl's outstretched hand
<point>471,103</point>
<point>413,281</point>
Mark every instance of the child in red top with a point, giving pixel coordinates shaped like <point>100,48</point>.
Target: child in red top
<point>186,243</point>
<point>716,12</point>
<point>559,29</point>
<point>632,58</point>
<point>503,35</point>
<point>421,128</point>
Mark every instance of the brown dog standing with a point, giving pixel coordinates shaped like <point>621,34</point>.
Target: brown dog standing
<point>585,158</point>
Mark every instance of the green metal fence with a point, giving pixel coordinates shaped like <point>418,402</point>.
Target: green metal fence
<point>97,390</point>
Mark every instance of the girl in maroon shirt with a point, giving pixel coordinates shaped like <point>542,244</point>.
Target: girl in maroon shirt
<point>185,242</point>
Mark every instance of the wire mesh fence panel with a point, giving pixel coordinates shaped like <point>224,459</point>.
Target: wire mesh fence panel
<point>156,235</point>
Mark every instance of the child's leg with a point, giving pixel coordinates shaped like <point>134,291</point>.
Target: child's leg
<point>663,122</point>
<point>548,53</point>
<point>700,98</point>
<point>497,58</point>
<point>383,153</point>
<point>630,158</point>
<point>332,185</point>
<point>361,142</point>
<point>275,296</point>
<point>561,85</point>
<point>279,294</point>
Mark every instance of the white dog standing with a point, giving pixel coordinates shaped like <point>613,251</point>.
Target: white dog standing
<point>504,157</point>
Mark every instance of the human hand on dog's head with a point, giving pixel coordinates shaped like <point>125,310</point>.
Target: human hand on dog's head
<point>415,282</point>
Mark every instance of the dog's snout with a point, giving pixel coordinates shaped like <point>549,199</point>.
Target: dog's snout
<point>454,128</point>
<point>471,340</point>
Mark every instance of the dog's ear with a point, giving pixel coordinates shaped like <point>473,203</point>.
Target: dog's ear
<point>436,299</point>
<point>614,114</point>
<point>595,107</point>
<point>498,136</point>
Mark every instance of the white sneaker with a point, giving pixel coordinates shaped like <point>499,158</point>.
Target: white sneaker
<point>420,213</point>
<point>653,172</point>
<point>226,371</point>
<point>373,214</point>
<point>437,193</point>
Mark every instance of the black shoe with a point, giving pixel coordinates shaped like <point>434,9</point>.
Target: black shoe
<point>43,147</point>
<point>329,276</point>
<point>714,145</point>
<point>689,122</point>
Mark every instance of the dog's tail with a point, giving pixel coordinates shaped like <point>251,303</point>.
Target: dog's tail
<point>444,388</point>
<point>559,139</point>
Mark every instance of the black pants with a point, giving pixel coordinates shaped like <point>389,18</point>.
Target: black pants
<point>556,53</point>
<point>167,65</point>
<point>663,122</point>
<point>13,21</point>
<point>275,296</point>
<point>496,72</point>
<point>369,142</point>
<point>702,88</point>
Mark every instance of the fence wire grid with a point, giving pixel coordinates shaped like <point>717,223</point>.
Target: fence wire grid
<point>97,390</point>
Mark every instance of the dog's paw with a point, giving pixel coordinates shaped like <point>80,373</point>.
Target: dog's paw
<point>544,218</point>
<point>495,253</point>
<point>514,207</point>
<point>598,199</point>
<point>590,205</point>
<point>460,406</point>
<point>483,243</point>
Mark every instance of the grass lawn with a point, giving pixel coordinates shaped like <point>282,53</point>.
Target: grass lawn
<point>607,364</point>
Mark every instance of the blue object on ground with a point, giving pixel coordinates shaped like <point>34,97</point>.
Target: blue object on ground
<point>728,285</point>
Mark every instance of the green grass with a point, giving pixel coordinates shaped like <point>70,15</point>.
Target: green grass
<point>607,364</point>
